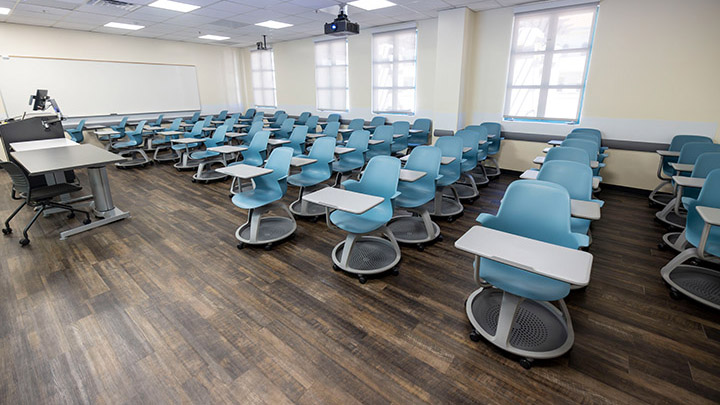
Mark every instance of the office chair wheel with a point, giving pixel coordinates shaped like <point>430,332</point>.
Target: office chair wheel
<point>395,271</point>
<point>336,267</point>
<point>526,363</point>
<point>7,231</point>
<point>662,246</point>
<point>439,238</point>
<point>315,219</point>
<point>24,242</point>
<point>194,181</point>
<point>675,294</point>
<point>268,247</point>
<point>362,279</point>
<point>240,245</point>
<point>71,215</point>
<point>420,247</point>
<point>86,221</point>
<point>450,219</point>
<point>475,336</point>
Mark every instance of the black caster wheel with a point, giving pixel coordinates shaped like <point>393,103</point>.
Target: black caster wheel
<point>439,238</point>
<point>395,271</point>
<point>362,279</point>
<point>662,246</point>
<point>268,247</point>
<point>694,262</point>
<point>475,336</point>
<point>86,221</point>
<point>472,200</point>
<point>24,242</point>
<point>231,195</point>
<point>240,245</point>
<point>71,215</point>
<point>420,247</point>
<point>675,294</point>
<point>450,219</point>
<point>336,267</point>
<point>7,231</point>
<point>314,219</point>
<point>194,181</point>
<point>526,363</point>
<point>651,204</point>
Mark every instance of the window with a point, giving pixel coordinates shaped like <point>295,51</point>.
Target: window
<point>263,78</point>
<point>548,64</point>
<point>331,75</point>
<point>394,62</point>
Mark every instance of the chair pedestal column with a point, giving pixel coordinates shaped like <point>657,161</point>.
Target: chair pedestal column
<point>259,230</point>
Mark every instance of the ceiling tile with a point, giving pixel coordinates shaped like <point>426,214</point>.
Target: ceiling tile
<point>190,20</point>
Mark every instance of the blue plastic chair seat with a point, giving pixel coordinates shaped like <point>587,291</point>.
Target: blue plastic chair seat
<point>182,147</point>
<point>521,282</point>
<point>255,198</point>
<point>203,154</point>
<point>363,223</point>
<point>579,225</point>
<point>411,196</point>
<point>126,144</point>
<point>303,179</point>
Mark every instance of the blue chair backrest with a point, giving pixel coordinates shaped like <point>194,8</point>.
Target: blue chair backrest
<point>297,139</point>
<point>324,151</point>
<point>383,133</point>
<point>255,154</point>
<point>229,123</point>
<point>136,134</point>
<point>493,128</point>
<point>331,129</point>
<point>482,149</point>
<point>279,120</point>
<point>359,141</point>
<point>175,125</point>
<point>704,165</point>
<point>158,121</point>
<point>377,121</point>
<point>81,125</point>
<point>425,159</point>
<point>709,197</point>
<point>311,123</point>
<point>217,138</point>
<point>236,117</point>
<point>592,131</point>
<point>302,119</point>
<point>588,146</point>
<point>356,123</point>
<point>249,113</point>
<point>194,118</point>
<point>451,146</point>
<point>258,117</point>
<point>401,128</point>
<point>255,127</point>
<point>195,131</point>
<point>568,153</point>
<point>423,124</point>
<point>121,126</point>
<point>691,151</point>
<point>287,125</point>
<point>575,177</point>
<point>535,209</point>
<point>471,139</point>
<point>586,136</point>
<point>381,178</point>
<point>333,118</point>
<point>279,162</point>
<point>222,116</point>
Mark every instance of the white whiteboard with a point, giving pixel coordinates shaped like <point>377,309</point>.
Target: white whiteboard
<point>85,88</point>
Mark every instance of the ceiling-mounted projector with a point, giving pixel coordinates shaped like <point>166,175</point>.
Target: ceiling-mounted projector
<point>342,26</point>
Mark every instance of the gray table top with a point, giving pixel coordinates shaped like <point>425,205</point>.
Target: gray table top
<point>65,158</point>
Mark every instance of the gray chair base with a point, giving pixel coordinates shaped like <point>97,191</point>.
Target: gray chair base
<point>527,328</point>
<point>494,170</point>
<point>669,217</point>
<point>133,160</point>
<point>417,228</point>
<point>302,208</point>
<point>675,241</point>
<point>259,230</point>
<point>362,254</point>
<point>185,162</point>
<point>445,207</point>
<point>658,197</point>
<point>205,172</point>
<point>698,283</point>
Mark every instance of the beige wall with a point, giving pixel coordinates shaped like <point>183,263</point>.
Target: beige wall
<point>217,66</point>
<point>652,75</point>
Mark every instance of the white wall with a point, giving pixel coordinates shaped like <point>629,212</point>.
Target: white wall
<point>217,66</point>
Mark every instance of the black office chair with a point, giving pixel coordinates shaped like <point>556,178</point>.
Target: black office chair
<point>39,197</point>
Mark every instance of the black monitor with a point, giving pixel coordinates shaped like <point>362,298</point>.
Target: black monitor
<point>40,97</point>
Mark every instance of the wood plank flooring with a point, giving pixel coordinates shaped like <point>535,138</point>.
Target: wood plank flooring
<point>162,308</point>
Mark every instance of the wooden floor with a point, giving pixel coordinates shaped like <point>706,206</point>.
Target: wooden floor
<point>162,308</point>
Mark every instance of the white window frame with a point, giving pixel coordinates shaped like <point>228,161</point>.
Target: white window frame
<point>394,88</point>
<point>548,53</point>
<point>346,88</point>
<point>261,86</point>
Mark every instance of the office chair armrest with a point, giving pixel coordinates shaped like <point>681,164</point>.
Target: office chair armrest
<point>351,185</point>
<point>582,240</point>
<point>483,217</point>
